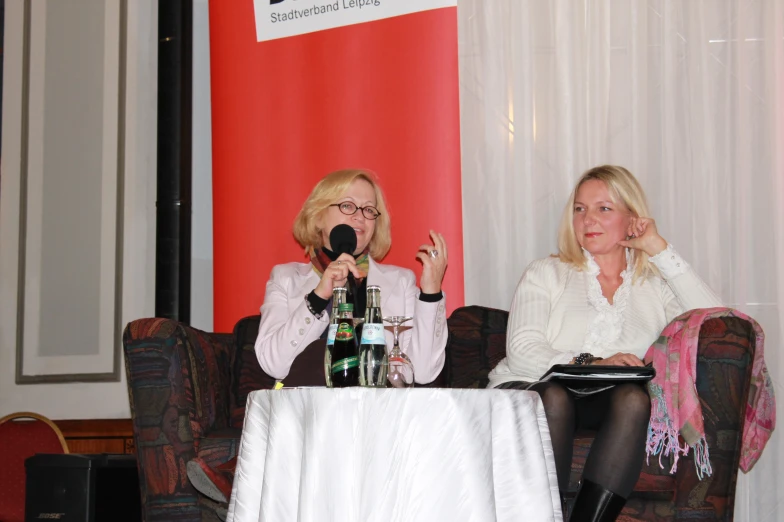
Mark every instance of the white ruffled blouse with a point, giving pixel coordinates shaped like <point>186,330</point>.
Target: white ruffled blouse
<point>558,312</point>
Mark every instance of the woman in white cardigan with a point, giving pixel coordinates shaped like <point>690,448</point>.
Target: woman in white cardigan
<point>298,295</point>
<point>604,299</point>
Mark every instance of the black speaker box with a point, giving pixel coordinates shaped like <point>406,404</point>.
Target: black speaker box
<point>82,488</point>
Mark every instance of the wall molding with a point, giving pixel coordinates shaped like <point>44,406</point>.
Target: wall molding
<point>22,377</point>
<point>98,435</point>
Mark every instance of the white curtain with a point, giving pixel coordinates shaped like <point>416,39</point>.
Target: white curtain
<point>687,94</point>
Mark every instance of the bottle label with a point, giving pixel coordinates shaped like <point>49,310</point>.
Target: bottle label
<point>344,332</point>
<point>333,329</point>
<point>345,364</point>
<point>373,333</point>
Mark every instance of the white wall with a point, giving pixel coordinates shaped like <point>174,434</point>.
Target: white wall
<point>82,400</point>
<point>201,239</point>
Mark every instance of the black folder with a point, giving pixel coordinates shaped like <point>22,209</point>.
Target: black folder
<point>593,378</point>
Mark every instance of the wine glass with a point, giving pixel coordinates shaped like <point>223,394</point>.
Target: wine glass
<point>401,370</point>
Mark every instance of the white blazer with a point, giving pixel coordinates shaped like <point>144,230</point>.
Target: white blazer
<point>287,326</point>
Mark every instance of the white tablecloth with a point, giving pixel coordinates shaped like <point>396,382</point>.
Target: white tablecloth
<point>391,455</point>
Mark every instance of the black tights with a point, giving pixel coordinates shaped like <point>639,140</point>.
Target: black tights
<point>620,415</point>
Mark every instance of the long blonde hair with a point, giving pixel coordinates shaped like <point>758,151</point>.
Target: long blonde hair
<point>624,190</point>
<point>328,191</point>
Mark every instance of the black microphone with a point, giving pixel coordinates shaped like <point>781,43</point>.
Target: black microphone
<point>343,240</point>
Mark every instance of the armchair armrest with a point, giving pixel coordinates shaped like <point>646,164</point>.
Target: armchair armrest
<point>725,353</point>
<point>178,386</point>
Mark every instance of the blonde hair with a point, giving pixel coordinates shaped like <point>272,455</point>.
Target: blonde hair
<point>624,190</point>
<point>328,191</point>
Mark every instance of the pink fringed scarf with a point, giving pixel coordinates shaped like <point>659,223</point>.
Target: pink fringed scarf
<point>675,406</point>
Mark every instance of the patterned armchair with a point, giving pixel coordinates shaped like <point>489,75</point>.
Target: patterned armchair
<point>477,342</point>
<point>188,391</point>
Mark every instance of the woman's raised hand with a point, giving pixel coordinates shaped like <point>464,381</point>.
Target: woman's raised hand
<point>434,260</point>
<point>642,234</point>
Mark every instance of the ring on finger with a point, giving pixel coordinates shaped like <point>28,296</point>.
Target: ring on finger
<point>433,253</point>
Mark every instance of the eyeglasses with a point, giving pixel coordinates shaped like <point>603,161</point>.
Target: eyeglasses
<point>349,209</point>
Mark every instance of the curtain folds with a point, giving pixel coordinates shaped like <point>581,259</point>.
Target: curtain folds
<point>687,94</point>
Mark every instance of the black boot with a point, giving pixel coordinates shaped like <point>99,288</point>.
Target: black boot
<point>595,503</point>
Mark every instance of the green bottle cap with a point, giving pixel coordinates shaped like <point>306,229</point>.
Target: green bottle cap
<point>346,307</point>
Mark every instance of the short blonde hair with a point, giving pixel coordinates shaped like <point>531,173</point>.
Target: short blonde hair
<point>624,190</point>
<point>328,191</point>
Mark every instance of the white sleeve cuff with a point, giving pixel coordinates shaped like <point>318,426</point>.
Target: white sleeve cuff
<point>561,358</point>
<point>669,263</point>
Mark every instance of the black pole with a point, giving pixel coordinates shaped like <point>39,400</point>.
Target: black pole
<point>173,206</point>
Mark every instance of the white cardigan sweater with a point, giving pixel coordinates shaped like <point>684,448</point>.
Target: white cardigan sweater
<point>559,312</point>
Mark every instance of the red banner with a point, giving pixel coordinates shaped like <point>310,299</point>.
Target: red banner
<point>380,95</point>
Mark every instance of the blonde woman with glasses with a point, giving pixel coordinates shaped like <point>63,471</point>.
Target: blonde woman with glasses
<point>298,295</point>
